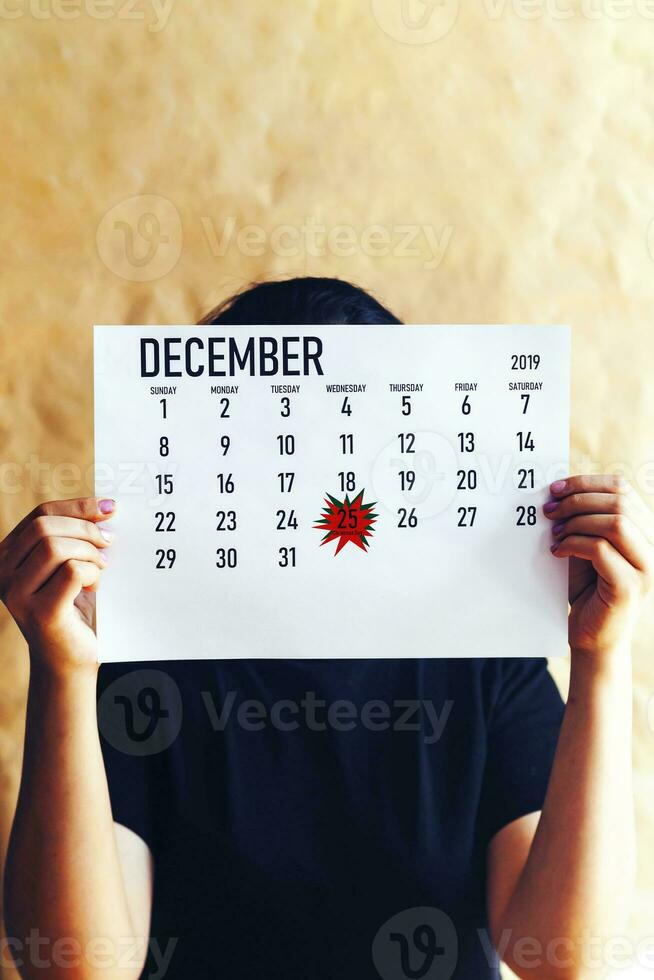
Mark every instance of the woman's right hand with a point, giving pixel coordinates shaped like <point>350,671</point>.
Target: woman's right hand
<point>50,567</point>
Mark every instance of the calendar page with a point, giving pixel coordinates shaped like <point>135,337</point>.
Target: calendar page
<point>331,491</point>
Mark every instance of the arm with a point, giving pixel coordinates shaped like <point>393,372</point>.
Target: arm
<point>560,886</point>
<point>64,876</point>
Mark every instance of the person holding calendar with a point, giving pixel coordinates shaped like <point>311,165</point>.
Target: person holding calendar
<point>301,851</point>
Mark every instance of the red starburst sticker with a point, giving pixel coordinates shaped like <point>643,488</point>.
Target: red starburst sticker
<point>345,520</point>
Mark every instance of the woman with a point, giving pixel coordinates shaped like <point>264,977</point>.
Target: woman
<point>482,817</point>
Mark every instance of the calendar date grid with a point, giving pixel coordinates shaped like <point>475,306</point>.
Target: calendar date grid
<point>464,401</point>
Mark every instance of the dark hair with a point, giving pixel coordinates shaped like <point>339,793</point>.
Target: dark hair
<point>306,299</point>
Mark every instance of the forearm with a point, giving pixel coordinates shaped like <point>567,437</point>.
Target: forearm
<point>63,874</point>
<point>577,882</point>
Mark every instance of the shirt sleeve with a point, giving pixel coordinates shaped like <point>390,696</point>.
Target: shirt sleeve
<point>523,728</point>
<point>139,709</point>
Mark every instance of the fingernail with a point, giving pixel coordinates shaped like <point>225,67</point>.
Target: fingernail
<point>558,528</point>
<point>106,506</point>
<point>558,486</point>
<point>103,557</point>
<point>107,535</point>
<point>550,506</point>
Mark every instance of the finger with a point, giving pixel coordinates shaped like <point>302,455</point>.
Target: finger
<point>611,567</point>
<point>587,503</point>
<point>46,558</point>
<point>60,527</point>
<point>602,503</point>
<point>84,508</point>
<point>629,501</point>
<point>619,530</point>
<point>586,483</point>
<point>69,580</point>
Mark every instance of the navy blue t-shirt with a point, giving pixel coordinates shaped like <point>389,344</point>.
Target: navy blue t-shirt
<point>325,819</point>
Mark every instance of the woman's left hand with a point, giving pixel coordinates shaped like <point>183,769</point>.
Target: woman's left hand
<point>603,526</point>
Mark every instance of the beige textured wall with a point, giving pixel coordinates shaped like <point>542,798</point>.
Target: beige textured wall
<point>514,137</point>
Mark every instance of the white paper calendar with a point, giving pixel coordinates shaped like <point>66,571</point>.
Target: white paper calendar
<point>331,491</point>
